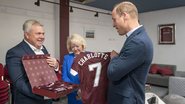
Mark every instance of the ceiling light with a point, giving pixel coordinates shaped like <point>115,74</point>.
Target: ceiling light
<point>37,3</point>
<point>71,9</point>
<point>96,15</point>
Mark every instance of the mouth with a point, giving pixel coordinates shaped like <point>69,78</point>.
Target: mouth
<point>40,41</point>
<point>76,52</point>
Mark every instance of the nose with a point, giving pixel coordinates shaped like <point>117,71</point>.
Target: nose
<point>75,48</point>
<point>114,25</point>
<point>42,36</point>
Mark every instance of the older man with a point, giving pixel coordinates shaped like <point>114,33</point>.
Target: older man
<point>32,43</point>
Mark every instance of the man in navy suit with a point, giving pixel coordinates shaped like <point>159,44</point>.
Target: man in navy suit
<point>31,44</point>
<point>127,71</point>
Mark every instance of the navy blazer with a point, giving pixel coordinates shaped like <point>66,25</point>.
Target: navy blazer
<point>21,88</point>
<point>128,71</point>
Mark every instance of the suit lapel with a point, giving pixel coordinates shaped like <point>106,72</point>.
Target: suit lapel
<point>44,50</point>
<point>27,48</point>
<point>136,32</point>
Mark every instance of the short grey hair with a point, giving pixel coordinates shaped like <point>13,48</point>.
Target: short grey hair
<point>29,23</point>
<point>76,39</point>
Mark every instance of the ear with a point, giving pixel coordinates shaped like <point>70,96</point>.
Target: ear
<point>125,15</point>
<point>83,47</point>
<point>26,35</point>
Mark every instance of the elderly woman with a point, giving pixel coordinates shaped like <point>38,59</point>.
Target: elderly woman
<point>75,44</point>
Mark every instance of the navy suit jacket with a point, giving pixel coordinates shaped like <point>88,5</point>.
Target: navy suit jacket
<point>21,88</point>
<point>127,72</point>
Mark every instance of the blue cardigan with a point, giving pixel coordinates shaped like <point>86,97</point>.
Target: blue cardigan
<point>68,77</point>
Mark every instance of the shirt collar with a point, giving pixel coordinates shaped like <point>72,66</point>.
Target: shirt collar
<point>131,31</point>
<point>33,48</point>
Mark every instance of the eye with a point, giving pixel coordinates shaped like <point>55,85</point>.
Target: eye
<point>40,33</point>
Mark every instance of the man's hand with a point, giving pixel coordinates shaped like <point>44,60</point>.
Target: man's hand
<point>113,54</point>
<point>52,62</point>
